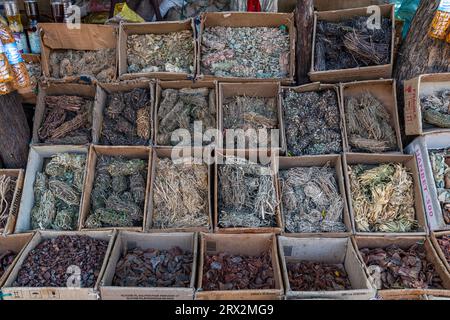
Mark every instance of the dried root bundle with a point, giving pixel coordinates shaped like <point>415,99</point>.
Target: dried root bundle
<point>440,163</point>
<point>7,187</point>
<point>436,108</point>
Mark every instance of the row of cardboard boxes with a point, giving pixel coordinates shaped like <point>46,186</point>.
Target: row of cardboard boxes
<point>282,250</point>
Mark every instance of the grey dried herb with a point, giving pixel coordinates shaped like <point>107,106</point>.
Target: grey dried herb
<point>440,163</point>
<point>436,108</point>
<point>192,8</point>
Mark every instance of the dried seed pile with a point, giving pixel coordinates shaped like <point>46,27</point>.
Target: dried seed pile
<point>260,52</point>
<point>436,108</point>
<point>100,64</point>
<point>52,262</point>
<point>6,259</point>
<point>395,268</point>
<point>117,198</point>
<point>312,122</point>
<point>154,268</point>
<point>368,125</point>
<point>311,200</point>
<point>127,118</point>
<point>168,52</point>
<point>180,108</point>
<point>243,112</point>
<point>444,243</point>
<point>440,163</point>
<point>383,198</point>
<point>192,8</point>
<point>7,187</point>
<point>247,196</point>
<point>225,271</point>
<point>67,120</point>
<point>57,192</point>
<point>180,194</point>
<point>315,276</point>
<point>351,44</point>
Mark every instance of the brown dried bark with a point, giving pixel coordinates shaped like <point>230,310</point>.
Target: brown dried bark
<point>304,20</point>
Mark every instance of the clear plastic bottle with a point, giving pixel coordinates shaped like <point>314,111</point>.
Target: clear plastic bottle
<point>32,10</point>
<point>5,69</point>
<point>440,25</point>
<point>15,24</point>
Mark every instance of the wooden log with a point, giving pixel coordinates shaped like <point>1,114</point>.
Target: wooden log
<point>304,21</point>
<point>14,132</point>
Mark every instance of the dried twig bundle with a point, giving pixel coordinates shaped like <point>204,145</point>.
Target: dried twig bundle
<point>7,187</point>
<point>440,163</point>
<point>436,108</point>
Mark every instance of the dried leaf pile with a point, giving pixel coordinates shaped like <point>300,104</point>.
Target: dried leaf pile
<point>444,243</point>
<point>118,195</point>
<point>6,259</point>
<point>383,198</point>
<point>154,268</point>
<point>192,8</point>
<point>180,108</point>
<point>351,44</point>
<point>100,64</point>
<point>315,276</point>
<point>368,125</point>
<point>180,194</point>
<point>395,268</point>
<point>260,52</point>
<point>247,196</point>
<point>67,120</point>
<point>53,263</point>
<point>440,163</point>
<point>127,118</point>
<point>257,113</point>
<point>225,271</point>
<point>168,52</point>
<point>7,187</point>
<point>312,122</point>
<point>311,200</point>
<point>57,193</point>
<point>436,108</point>
<point>34,70</point>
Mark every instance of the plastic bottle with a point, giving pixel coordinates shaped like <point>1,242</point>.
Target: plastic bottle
<point>15,24</point>
<point>440,25</point>
<point>5,69</point>
<point>32,10</point>
<point>18,67</point>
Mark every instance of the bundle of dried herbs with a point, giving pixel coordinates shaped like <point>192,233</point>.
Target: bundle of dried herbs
<point>193,8</point>
<point>368,125</point>
<point>440,163</point>
<point>67,120</point>
<point>316,276</point>
<point>312,122</point>
<point>100,64</point>
<point>383,198</point>
<point>352,43</point>
<point>57,192</point>
<point>127,119</point>
<point>180,108</point>
<point>311,200</point>
<point>7,187</point>
<point>180,194</point>
<point>259,52</point>
<point>6,259</point>
<point>395,268</point>
<point>224,271</point>
<point>118,195</point>
<point>247,196</point>
<point>444,243</point>
<point>51,262</point>
<point>436,108</point>
<point>243,112</point>
<point>154,268</point>
<point>166,52</point>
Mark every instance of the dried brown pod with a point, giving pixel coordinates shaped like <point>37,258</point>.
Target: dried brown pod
<point>6,259</point>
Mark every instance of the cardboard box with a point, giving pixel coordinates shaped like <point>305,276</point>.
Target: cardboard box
<point>240,244</point>
<point>334,161</point>
<point>413,89</point>
<point>419,147</point>
<point>260,157</point>
<point>127,29</point>
<point>316,86</point>
<point>434,240</point>
<point>35,164</point>
<point>385,92</point>
<point>15,243</point>
<point>29,94</point>
<point>409,162</point>
<point>330,251</point>
<point>359,73</point>
<point>163,85</point>
<point>101,100</point>
<point>88,37</point>
<point>248,19</point>
<point>162,241</point>
<point>128,152</point>
<point>15,203</point>
<point>58,89</point>
<point>201,155</point>
<point>403,242</point>
<point>55,293</point>
<point>263,89</point>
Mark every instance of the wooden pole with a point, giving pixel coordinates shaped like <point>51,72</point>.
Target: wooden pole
<point>304,21</point>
